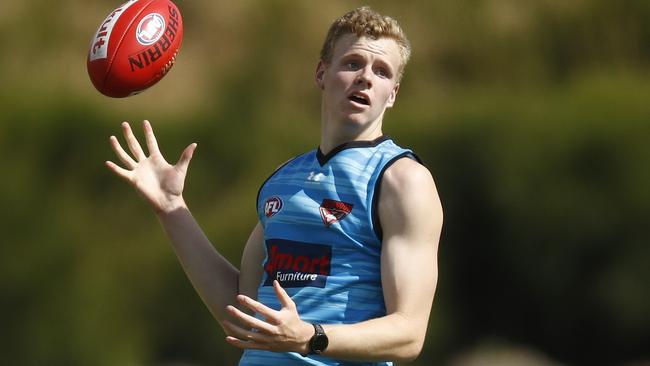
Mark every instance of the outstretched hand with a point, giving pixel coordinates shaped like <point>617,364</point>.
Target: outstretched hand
<point>158,181</point>
<point>282,330</point>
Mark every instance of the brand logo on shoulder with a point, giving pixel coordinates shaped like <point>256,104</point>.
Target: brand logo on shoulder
<point>315,177</point>
<point>150,29</point>
<point>297,264</point>
<point>332,211</point>
<point>272,206</point>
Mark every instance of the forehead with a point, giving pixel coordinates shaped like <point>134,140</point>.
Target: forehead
<point>384,48</point>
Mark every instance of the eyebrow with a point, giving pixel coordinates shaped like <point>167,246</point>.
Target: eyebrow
<point>351,54</point>
<point>386,65</point>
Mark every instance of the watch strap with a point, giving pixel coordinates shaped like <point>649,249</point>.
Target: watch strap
<point>318,342</point>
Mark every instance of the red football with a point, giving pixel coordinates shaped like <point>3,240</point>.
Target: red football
<point>134,47</point>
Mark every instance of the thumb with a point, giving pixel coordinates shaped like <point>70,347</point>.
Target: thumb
<point>185,158</point>
<point>282,295</point>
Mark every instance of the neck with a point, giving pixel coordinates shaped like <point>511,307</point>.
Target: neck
<point>335,133</point>
<point>331,138</point>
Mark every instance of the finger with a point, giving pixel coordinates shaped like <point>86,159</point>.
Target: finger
<point>133,143</point>
<point>282,295</point>
<point>246,345</point>
<point>120,172</point>
<point>244,334</point>
<point>119,151</point>
<point>250,321</point>
<point>260,308</point>
<point>185,158</point>
<point>152,144</point>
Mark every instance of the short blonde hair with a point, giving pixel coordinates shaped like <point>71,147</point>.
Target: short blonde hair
<point>367,22</point>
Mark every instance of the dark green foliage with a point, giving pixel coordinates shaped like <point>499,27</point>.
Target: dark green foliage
<point>532,116</point>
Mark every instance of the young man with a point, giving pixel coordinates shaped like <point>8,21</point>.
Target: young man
<point>342,265</point>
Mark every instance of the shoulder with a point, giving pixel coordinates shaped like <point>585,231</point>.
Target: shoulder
<point>276,172</point>
<point>298,159</point>
<point>408,194</point>
<point>407,177</point>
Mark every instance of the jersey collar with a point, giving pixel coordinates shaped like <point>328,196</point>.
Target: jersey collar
<point>323,159</point>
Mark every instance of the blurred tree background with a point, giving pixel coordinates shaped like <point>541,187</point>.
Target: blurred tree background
<point>533,116</point>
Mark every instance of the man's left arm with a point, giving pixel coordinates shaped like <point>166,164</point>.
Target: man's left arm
<point>411,217</point>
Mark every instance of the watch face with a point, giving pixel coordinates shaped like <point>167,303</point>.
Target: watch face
<point>319,343</point>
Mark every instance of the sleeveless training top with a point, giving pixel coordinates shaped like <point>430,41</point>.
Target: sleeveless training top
<point>323,239</point>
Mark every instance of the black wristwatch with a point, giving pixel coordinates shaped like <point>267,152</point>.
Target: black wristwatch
<point>318,342</point>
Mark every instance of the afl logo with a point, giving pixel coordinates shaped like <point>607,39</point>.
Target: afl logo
<point>272,206</point>
<point>150,29</point>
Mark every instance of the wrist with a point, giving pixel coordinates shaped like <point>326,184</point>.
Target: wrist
<point>307,333</point>
<point>170,206</point>
<point>318,341</point>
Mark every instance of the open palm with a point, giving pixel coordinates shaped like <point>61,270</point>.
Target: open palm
<point>158,181</point>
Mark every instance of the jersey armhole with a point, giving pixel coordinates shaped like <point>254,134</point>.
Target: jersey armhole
<point>259,190</point>
<point>376,224</point>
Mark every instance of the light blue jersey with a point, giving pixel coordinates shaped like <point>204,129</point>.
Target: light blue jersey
<point>323,239</point>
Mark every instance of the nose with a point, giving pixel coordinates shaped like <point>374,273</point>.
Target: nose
<point>364,77</point>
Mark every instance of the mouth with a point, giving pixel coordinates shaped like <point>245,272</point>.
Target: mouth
<point>359,98</point>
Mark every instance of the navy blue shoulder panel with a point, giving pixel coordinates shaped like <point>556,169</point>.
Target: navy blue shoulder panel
<point>376,224</point>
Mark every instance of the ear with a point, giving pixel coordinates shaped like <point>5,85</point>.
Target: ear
<point>320,71</point>
<point>393,96</point>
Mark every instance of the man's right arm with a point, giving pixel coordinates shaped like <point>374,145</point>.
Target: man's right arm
<point>251,272</point>
<point>214,278</point>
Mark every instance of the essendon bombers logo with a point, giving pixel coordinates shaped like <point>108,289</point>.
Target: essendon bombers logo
<point>332,211</point>
<point>296,264</point>
<point>272,206</point>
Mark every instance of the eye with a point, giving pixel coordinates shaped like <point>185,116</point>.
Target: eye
<point>352,65</point>
<point>383,72</point>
